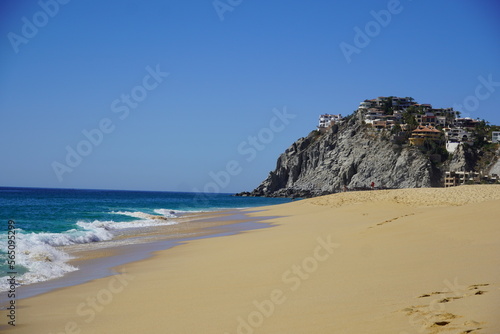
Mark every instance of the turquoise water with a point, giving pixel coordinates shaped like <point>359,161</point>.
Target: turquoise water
<point>46,219</point>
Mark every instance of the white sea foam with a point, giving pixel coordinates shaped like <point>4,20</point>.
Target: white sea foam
<point>136,214</point>
<point>176,213</point>
<point>167,213</point>
<point>39,254</point>
<point>90,232</point>
<point>41,260</point>
<point>145,220</point>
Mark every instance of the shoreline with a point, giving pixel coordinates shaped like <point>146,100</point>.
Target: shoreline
<point>405,261</point>
<point>98,263</point>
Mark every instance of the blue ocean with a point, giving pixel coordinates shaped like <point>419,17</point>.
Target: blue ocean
<point>46,219</point>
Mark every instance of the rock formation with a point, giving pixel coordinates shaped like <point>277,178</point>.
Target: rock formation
<point>351,156</point>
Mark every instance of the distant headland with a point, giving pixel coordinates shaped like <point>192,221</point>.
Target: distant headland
<point>388,142</point>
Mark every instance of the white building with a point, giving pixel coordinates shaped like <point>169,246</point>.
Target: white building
<point>326,120</point>
<point>401,102</point>
<point>495,137</point>
<point>373,114</point>
<point>366,105</point>
<point>441,120</point>
<point>466,122</point>
<point>457,135</point>
<point>398,103</point>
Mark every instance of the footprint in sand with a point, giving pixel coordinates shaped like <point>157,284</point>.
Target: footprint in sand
<point>471,323</point>
<point>432,293</point>
<point>437,322</point>
<point>476,287</point>
<point>393,219</point>
<point>440,323</point>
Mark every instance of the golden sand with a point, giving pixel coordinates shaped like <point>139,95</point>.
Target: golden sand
<point>396,261</point>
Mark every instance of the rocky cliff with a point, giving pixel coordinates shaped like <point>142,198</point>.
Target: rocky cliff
<point>352,155</point>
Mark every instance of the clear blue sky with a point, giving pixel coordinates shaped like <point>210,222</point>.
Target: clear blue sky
<point>75,70</point>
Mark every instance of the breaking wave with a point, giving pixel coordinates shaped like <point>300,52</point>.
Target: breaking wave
<point>38,256</point>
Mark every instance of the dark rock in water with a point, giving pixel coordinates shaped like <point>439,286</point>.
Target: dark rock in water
<point>243,194</point>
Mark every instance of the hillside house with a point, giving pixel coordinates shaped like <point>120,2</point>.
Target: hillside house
<point>367,104</point>
<point>424,133</point>
<point>441,121</point>
<point>442,111</point>
<point>427,119</point>
<point>457,135</point>
<point>398,103</point>
<point>327,120</point>
<point>373,114</point>
<point>466,122</point>
<point>401,103</point>
<point>495,137</point>
<point>383,124</point>
<point>424,107</point>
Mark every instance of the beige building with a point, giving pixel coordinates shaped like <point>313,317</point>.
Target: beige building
<point>453,179</point>
<point>424,133</point>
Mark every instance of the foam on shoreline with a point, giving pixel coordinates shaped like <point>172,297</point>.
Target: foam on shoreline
<point>39,256</point>
<point>62,261</point>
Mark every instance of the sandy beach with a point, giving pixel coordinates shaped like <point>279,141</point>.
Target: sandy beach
<point>393,261</point>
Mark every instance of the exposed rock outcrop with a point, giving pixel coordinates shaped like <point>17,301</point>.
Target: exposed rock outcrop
<point>467,158</point>
<point>350,155</point>
<point>495,169</point>
<point>493,163</point>
<point>464,159</point>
